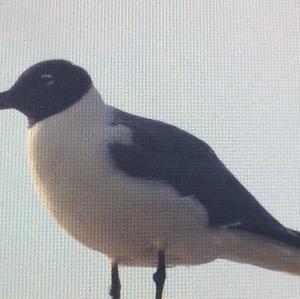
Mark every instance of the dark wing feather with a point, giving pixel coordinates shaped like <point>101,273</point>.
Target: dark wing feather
<point>165,153</point>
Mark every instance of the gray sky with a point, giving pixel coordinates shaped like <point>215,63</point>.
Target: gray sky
<point>226,71</point>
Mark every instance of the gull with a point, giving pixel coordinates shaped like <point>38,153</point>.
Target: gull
<point>140,191</point>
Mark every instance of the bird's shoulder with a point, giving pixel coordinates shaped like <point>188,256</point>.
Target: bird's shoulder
<point>157,136</point>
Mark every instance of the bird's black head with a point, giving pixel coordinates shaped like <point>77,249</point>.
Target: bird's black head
<point>46,88</point>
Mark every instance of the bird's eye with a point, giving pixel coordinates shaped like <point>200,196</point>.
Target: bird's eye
<point>47,79</point>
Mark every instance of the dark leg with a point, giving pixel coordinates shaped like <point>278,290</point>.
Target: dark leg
<point>115,288</point>
<point>160,275</point>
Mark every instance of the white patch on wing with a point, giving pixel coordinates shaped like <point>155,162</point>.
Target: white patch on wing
<point>232,225</point>
<point>293,233</point>
<point>122,135</point>
<point>46,76</point>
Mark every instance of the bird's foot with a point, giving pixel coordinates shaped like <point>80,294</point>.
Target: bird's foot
<point>115,289</point>
<point>159,276</point>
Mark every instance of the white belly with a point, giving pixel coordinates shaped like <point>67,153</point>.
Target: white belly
<point>126,219</point>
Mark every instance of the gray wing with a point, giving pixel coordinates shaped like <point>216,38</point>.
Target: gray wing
<point>165,153</point>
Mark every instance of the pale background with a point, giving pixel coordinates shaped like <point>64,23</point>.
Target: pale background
<point>226,71</point>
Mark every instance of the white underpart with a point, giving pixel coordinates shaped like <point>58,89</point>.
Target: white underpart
<point>128,219</point>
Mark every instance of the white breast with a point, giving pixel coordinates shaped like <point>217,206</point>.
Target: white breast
<point>125,218</point>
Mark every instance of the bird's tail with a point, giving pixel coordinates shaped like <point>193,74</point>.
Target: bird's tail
<point>249,248</point>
